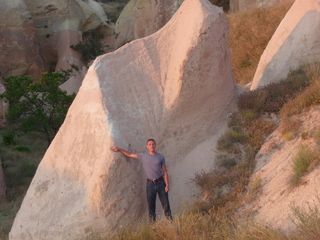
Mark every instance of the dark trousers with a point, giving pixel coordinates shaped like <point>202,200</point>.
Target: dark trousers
<point>154,188</point>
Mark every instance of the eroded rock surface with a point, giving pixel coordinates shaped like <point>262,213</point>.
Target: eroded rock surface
<point>274,206</point>
<point>175,86</point>
<point>60,24</point>
<point>19,47</point>
<point>36,35</point>
<point>295,42</point>
<point>141,18</point>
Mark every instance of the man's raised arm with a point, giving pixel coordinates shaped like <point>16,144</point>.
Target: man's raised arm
<point>124,152</point>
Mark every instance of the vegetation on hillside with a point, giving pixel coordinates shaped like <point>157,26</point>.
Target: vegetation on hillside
<point>91,46</point>
<point>20,155</point>
<point>37,106</point>
<point>248,129</point>
<point>249,34</point>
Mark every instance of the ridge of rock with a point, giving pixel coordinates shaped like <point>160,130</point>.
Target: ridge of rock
<point>295,42</point>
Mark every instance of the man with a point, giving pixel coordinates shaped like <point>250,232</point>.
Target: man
<point>155,168</point>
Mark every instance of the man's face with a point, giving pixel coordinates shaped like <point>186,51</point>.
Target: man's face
<point>151,145</point>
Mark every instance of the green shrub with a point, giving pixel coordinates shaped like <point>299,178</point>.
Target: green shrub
<point>245,63</point>
<point>227,142</point>
<point>248,116</point>
<point>253,100</point>
<point>236,121</point>
<point>7,214</point>
<point>272,97</point>
<point>301,163</point>
<point>37,105</point>
<point>27,169</point>
<point>237,136</point>
<point>226,161</point>
<point>258,131</point>
<point>91,47</point>
<point>22,149</point>
<point>8,139</point>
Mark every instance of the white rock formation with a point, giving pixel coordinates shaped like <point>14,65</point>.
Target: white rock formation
<point>36,34</point>
<point>66,57</point>
<point>175,86</point>
<point>73,84</point>
<point>50,17</point>
<point>295,42</point>
<point>19,49</point>
<point>141,18</point>
<point>60,24</point>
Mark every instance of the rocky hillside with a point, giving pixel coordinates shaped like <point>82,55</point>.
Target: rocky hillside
<point>37,35</point>
<point>275,167</point>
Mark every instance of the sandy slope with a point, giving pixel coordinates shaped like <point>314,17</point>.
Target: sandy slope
<point>274,166</point>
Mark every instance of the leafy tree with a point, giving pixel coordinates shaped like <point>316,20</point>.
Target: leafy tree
<point>37,106</point>
<point>91,47</point>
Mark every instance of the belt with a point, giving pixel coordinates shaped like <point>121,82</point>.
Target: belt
<point>155,180</point>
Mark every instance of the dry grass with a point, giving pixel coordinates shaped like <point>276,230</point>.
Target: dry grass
<point>228,141</point>
<point>305,158</point>
<point>313,71</point>
<point>191,226</point>
<point>309,222</point>
<point>20,160</point>
<point>249,34</point>
<point>290,127</point>
<point>310,96</point>
<point>258,131</point>
<point>8,212</point>
<point>272,97</point>
<point>254,187</point>
<point>316,136</point>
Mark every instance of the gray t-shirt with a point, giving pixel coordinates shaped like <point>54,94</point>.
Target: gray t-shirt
<point>152,164</point>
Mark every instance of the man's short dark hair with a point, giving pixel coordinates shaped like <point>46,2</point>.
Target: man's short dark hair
<point>151,139</point>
